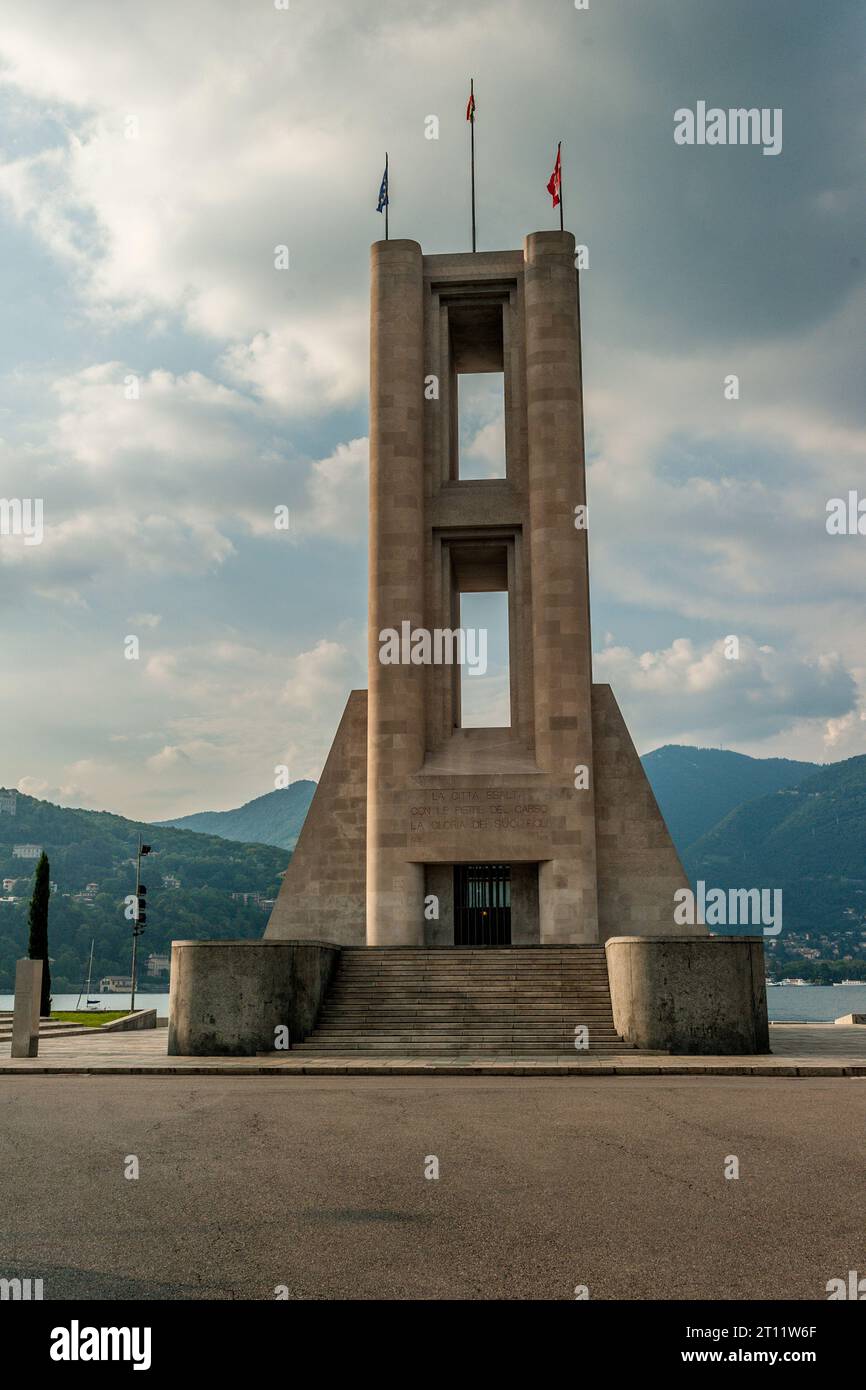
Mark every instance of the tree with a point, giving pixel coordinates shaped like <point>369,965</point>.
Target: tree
<point>38,948</point>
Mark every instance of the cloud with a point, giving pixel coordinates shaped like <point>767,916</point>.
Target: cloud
<point>337,493</point>
<point>61,594</point>
<point>488,445</point>
<point>309,368</point>
<point>167,482</point>
<point>153,257</point>
<point>481,425</point>
<point>163,194</point>
<point>684,693</point>
<point>317,675</point>
<point>713,511</point>
<point>844,737</point>
<point>67,794</point>
<point>168,757</point>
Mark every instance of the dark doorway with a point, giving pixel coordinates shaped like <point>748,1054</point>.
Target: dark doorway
<point>482,904</point>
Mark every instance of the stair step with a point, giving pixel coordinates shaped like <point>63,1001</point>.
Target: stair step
<point>409,1046</point>
<point>357,1018</point>
<point>458,1001</point>
<point>409,1025</point>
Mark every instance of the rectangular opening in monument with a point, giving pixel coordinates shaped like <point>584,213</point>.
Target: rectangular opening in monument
<point>476,346</point>
<point>482,904</point>
<point>481,425</point>
<point>485,673</point>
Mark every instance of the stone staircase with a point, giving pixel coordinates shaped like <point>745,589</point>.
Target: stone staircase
<point>511,1001</point>
<point>48,1028</point>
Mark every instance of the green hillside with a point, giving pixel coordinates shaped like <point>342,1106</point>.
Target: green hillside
<point>273,819</point>
<point>806,835</point>
<point>697,787</point>
<point>96,847</point>
<point>808,840</point>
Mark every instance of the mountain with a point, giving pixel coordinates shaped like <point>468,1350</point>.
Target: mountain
<point>697,787</point>
<point>213,875</point>
<point>808,840</point>
<point>738,822</point>
<point>273,819</point>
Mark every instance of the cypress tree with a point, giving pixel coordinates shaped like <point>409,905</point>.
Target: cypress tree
<point>38,948</point>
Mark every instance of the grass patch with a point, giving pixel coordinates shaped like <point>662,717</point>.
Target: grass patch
<point>91,1018</point>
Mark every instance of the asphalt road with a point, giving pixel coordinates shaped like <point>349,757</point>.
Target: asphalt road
<point>318,1185</point>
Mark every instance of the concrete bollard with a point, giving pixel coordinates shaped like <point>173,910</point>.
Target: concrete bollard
<point>232,998</point>
<point>25,1019</point>
<point>700,995</point>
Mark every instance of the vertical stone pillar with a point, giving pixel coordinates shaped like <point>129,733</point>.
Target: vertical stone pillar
<point>562,651</point>
<point>25,1019</point>
<point>396,716</point>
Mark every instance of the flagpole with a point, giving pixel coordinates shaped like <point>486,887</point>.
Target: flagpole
<point>387,194</point>
<point>472,124</point>
<point>561,211</point>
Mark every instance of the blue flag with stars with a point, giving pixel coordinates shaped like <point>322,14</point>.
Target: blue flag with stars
<point>383,192</point>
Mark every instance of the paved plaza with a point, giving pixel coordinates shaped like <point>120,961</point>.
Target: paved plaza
<point>317,1185</point>
<point>803,1049</point>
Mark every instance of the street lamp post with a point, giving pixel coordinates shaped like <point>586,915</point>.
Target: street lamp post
<point>139,917</point>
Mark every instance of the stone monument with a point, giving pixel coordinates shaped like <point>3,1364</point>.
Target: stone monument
<point>438,860</point>
<point>551,819</point>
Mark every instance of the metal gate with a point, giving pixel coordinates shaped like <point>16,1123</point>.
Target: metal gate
<point>482,904</point>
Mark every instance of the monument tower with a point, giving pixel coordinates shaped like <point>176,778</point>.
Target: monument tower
<point>436,856</point>
<point>423,831</point>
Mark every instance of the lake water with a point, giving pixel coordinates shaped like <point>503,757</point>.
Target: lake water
<point>62,1003</point>
<point>789,1003</point>
<point>815,1003</point>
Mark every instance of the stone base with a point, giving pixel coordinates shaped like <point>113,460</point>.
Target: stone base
<point>703,995</point>
<point>324,890</point>
<point>25,1018</point>
<point>230,998</point>
<point>130,1023</point>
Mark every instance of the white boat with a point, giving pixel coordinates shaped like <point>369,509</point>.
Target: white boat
<point>91,1003</point>
<point>838,983</point>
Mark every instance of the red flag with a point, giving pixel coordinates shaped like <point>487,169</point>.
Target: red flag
<point>470,109</point>
<point>554,188</point>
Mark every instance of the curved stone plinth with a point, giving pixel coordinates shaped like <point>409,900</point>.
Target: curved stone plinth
<point>231,997</point>
<point>690,994</point>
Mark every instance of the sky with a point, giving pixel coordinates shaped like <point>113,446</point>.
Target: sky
<point>164,387</point>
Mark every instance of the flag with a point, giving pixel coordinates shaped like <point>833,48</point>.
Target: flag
<point>554,188</point>
<point>470,116</point>
<point>383,191</point>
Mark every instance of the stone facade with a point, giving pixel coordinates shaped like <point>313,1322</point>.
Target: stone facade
<point>639,871</point>
<point>407,794</point>
<point>325,897</point>
<point>690,994</point>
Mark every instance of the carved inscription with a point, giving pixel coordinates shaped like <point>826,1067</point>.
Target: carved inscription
<point>495,808</point>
